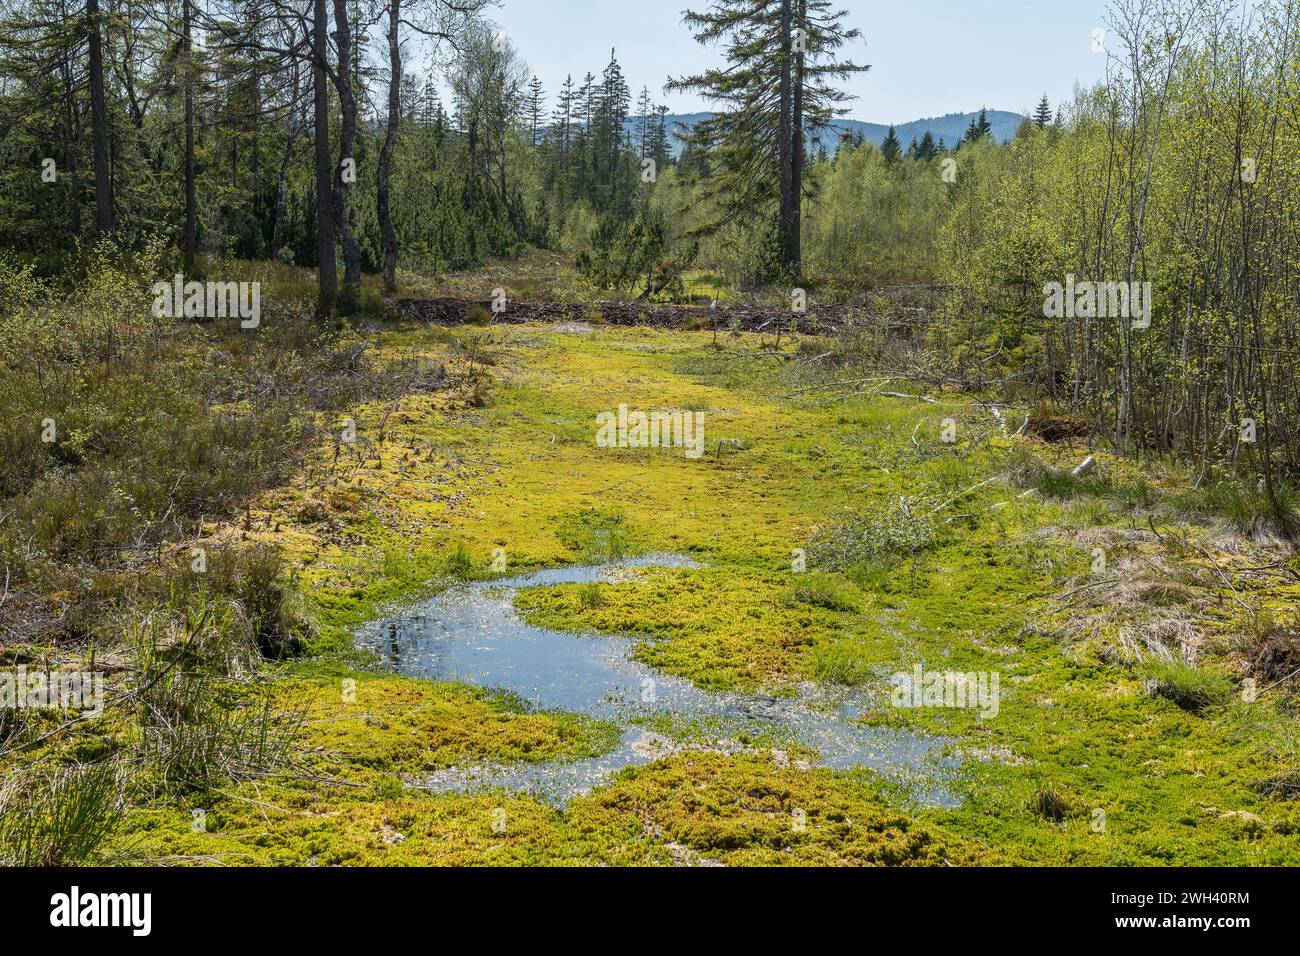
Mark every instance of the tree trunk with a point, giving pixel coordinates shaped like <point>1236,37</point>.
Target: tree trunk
<point>785,147</point>
<point>189,239</point>
<point>99,121</point>
<point>390,142</point>
<point>347,144</point>
<point>70,144</point>
<point>797,155</point>
<point>329,279</point>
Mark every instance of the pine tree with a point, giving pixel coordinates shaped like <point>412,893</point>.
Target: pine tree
<point>659,147</point>
<point>927,150</point>
<point>776,88</point>
<point>979,128</point>
<point>561,135</point>
<point>428,109</point>
<point>535,106</point>
<point>890,148</point>
<point>584,109</point>
<point>644,108</point>
<point>613,99</point>
<point>1043,114</point>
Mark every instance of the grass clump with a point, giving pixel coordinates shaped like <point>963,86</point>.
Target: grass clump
<point>1047,802</point>
<point>197,727</point>
<point>1246,507</point>
<point>827,591</point>
<point>590,596</point>
<point>59,816</point>
<point>596,535</point>
<point>1194,689</point>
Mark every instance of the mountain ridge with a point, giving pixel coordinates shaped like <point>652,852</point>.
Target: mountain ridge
<point>949,127</point>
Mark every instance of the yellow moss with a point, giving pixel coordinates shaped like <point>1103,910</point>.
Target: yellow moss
<point>399,725</point>
<point>523,473</point>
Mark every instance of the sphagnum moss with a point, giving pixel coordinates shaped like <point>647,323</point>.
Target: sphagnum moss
<point>453,481</point>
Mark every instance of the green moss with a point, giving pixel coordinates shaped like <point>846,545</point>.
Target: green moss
<point>745,811</point>
<point>722,628</point>
<point>454,482</point>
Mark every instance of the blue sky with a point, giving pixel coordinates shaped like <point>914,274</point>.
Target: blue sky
<point>928,57</point>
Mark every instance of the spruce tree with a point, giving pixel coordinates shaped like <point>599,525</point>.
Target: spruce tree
<point>535,105</point>
<point>778,86</point>
<point>1043,114</point>
<point>890,148</point>
<point>927,150</point>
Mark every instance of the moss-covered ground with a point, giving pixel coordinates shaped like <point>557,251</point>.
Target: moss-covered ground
<point>918,551</point>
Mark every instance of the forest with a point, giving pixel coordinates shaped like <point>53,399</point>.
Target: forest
<point>331,337</point>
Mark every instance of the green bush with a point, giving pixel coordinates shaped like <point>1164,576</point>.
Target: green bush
<point>861,539</point>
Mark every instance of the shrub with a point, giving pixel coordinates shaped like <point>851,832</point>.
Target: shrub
<point>859,539</point>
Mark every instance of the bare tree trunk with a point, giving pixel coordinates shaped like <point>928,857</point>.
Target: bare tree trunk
<point>329,279</point>
<point>390,143</point>
<point>347,162</point>
<point>104,221</point>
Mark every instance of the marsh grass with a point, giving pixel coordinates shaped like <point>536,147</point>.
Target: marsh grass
<point>198,726</point>
<point>59,816</point>
<point>826,591</point>
<point>1194,689</point>
<point>591,595</point>
<point>1244,506</point>
<point>1047,802</point>
<point>596,535</point>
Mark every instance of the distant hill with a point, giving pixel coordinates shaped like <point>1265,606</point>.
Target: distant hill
<point>949,128</point>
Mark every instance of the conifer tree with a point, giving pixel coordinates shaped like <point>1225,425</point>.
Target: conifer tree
<point>1043,114</point>
<point>778,86</point>
<point>890,148</point>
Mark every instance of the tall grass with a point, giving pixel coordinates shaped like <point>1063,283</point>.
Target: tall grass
<point>198,728</point>
<point>59,816</point>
